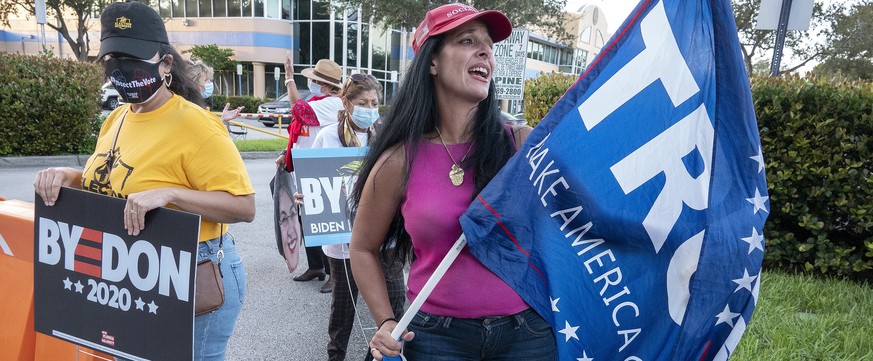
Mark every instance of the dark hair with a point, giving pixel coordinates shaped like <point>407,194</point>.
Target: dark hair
<point>413,113</point>
<point>182,83</point>
<point>353,89</point>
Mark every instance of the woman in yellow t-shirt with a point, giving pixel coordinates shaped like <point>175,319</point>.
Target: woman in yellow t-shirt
<point>161,150</point>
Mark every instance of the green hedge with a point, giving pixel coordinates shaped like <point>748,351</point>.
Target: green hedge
<point>251,103</point>
<point>816,139</point>
<point>50,105</point>
<point>541,94</point>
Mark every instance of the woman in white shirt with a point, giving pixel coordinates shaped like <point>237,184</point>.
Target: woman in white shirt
<point>355,128</point>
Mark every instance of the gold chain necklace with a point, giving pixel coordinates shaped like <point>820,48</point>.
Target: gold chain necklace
<point>456,174</point>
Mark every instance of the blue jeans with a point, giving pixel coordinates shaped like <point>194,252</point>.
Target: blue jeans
<point>212,330</point>
<point>522,336</point>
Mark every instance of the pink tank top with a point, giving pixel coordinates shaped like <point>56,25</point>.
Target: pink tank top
<point>431,211</point>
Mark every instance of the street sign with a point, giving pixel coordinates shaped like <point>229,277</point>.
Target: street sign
<point>510,56</point>
<point>768,15</point>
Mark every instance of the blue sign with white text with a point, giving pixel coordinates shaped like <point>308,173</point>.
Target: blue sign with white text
<point>632,217</point>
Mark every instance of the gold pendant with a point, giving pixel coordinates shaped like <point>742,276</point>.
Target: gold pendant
<point>456,175</point>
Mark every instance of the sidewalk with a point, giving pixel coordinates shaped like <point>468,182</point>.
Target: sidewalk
<point>79,160</point>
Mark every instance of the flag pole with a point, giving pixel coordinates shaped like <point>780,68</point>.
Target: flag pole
<point>428,287</point>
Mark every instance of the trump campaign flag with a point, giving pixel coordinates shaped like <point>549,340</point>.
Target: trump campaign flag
<point>632,217</point>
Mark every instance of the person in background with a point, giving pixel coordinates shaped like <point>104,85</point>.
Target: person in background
<point>308,117</point>
<point>355,128</point>
<point>439,145</point>
<point>202,75</point>
<point>161,150</point>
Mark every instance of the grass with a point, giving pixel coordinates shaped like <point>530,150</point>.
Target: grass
<point>806,318</point>
<point>261,145</point>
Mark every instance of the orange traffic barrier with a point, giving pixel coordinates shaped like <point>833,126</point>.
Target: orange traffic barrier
<point>18,340</point>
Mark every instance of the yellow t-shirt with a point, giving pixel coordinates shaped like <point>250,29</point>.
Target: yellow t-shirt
<point>179,145</point>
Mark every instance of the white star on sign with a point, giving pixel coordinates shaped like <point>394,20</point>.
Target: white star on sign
<point>585,357</point>
<point>726,316</point>
<point>754,241</point>
<point>79,286</point>
<point>68,285</point>
<point>760,159</point>
<point>758,201</point>
<point>745,282</point>
<point>153,308</point>
<point>555,304</point>
<point>139,304</point>
<point>569,332</point>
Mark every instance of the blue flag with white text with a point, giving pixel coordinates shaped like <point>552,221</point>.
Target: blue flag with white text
<point>632,217</point>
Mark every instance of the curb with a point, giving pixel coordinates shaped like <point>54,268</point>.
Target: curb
<point>80,160</point>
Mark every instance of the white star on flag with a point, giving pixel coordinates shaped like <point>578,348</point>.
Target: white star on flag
<point>585,357</point>
<point>139,303</point>
<point>726,316</point>
<point>745,282</point>
<point>68,284</point>
<point>153,308</point>
<point>569,332</point>
<point>760,159</point>
<point>79,286</point>
<point>555,304</point>
<point>759,201</point>
<point>754,241</point>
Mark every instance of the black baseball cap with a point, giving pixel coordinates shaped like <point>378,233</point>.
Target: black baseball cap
<point>131,28</point>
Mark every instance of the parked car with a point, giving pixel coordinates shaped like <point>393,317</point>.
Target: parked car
<point>279,106</point>
<point>511,119</point>
<point>110,96</point>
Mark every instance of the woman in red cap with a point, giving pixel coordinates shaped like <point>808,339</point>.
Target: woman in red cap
<point>442,141</point>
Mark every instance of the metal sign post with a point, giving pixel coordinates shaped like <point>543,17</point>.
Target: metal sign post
<point>239,78</point>
<point>780,38</point>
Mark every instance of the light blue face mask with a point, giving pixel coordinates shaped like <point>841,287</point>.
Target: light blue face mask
<point>207,90</point>
<point>365,117</point>
<point>315,89</point>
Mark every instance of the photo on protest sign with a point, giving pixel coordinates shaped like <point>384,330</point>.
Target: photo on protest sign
<point>286,218</point>
<point>326,178</point>
<point>96,286</point>
<point>511,56</point>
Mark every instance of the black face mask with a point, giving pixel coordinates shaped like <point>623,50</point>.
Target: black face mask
<point>136,80</point>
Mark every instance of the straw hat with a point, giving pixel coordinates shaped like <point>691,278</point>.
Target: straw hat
<point>325,71</point>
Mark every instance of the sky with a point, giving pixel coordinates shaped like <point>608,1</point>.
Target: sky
<point>614,10</point>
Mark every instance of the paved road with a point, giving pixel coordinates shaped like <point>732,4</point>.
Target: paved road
<point>281,319</point>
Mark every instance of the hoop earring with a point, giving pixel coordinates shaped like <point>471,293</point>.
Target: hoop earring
<point>169,81</point>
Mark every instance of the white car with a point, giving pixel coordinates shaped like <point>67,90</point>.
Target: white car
<point>110,96</point>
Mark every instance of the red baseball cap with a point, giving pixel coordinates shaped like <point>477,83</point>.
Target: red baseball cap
<point>450,16</point>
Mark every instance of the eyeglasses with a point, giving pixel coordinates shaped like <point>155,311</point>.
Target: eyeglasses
<point>358,77</point>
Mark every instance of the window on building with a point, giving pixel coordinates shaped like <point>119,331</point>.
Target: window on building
<point>259,8</point>
<point>233,8</point>
<point>178,12</point>
<point>272,9</point>
<point>303,10</point>
<point>365,45</point>
<point>163,9</point>
<point>320,9</point>
<point>286,9</point>
<point>320,41</point>
<point>598,41</point>
<point>191,8</point>
<point>206,8</point>
<point>219,8</point>
<point>380,50</point>
<point>394,58</point>
<point>303,37</point>
<point>246,8</point>
<point>585,36</point>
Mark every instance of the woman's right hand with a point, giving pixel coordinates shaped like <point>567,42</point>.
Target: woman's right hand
<point>280,162</point>
<point>382,344</point>
<point>49,181</point>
